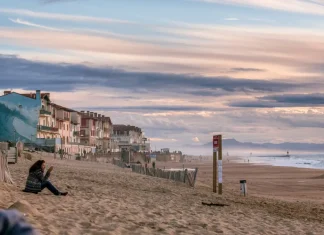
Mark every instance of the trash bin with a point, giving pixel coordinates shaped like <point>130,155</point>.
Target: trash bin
<point>243,187</point>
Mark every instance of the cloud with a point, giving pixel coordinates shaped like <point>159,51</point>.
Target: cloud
<point>246,70</point>
<point>297,99</point>
<point>64,17</point>
<point>148,108</point>
<point>212,51</point>
<point>27,23</point>
<point>300,6</point>
<point>284,100</point>
<point>195,139</point>
<point>162,140</point>
<point>20,73</point>
<point>232,19</point>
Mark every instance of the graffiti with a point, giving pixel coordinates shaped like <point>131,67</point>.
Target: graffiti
<point>19,117</point>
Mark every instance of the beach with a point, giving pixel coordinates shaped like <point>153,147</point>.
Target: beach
<point>106,199</point>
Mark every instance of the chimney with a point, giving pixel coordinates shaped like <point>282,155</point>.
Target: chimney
<point>91,114</point>
<point>38,95</point>
<point>95,114</point>
<point>99,115</point>
<point>103,116</point>
<point>88,113</point>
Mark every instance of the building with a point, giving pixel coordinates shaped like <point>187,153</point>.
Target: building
<point>45,124</point>
<point>68,122</point>
<point>129,136</point>
<point>33,118</point>
<point>96,130</point>
<point>19,116</point>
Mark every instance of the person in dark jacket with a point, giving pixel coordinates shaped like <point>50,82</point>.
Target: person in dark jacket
<point>36,180</point>
<point>12,222</point>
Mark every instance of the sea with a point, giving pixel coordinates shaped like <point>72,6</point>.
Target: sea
<point>314,161</point>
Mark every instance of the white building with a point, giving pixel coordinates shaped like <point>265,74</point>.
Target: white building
<point>132,136</point>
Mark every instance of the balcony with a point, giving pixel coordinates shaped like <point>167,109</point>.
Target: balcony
<point>47,128</point>
<point>59,115</point>
<point>44,112</point>
<point>75,118</point>
<point>73,143</point>
<point>66,118</point>
<point>76,133</point>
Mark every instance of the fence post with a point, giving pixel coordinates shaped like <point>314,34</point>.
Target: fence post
<point>185,174</point>
<point>195,177</point>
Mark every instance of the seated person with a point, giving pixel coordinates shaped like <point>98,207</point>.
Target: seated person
<point>36,180</point>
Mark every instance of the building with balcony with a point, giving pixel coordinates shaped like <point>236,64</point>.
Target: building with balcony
<point>96,130</point>
<point>126,135</point>
<point>69,123</point>
<point>47,126</point>
<point>19,115</point>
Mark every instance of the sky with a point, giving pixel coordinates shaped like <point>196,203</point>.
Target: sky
<point>182,70</point>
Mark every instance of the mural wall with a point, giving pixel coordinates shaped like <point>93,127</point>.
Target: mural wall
<point>19,117</point>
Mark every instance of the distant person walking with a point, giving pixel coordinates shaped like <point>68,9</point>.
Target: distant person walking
<point>36,180</point>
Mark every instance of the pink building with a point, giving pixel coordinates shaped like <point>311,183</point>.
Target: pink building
<point>96,131</point>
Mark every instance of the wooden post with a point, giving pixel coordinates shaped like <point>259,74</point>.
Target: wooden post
<point>185,174</point>
<point>4,170</point>
<point>195,176</point>
<point>215,145</point>
<point>220,166</point>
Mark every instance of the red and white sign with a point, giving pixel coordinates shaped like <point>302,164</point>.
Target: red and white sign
<point>215,142</point>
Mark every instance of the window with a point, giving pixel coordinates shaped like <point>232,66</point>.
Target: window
<point>84,122</point>
<point>43,122</point>
<point>82,133</point>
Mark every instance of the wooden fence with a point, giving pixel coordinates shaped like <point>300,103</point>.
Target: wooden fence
<point>118,163</point>
<point>184,176</point>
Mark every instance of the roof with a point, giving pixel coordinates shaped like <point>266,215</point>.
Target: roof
<point>86,115</point>
<point>33,95</point>
<point>126,128</point>
<point>64,108</point>
<point>29,95</point>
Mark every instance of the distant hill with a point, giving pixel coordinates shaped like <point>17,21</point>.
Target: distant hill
<point>234,144</point>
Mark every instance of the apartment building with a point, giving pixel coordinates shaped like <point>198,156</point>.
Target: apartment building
<point>68,122</point>
<point>19,115</point>
<point>96,130</point>
<point>46,127</point>
<point>124,135</point>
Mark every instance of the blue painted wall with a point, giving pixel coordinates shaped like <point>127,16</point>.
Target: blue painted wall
<point>19,117</point>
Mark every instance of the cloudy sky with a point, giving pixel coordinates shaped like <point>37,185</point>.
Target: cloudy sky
<point>180,69</point>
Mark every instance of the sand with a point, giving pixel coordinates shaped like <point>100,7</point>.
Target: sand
<point>105,199</point>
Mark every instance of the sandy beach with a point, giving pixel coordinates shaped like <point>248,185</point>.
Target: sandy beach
<point>105,199</point>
